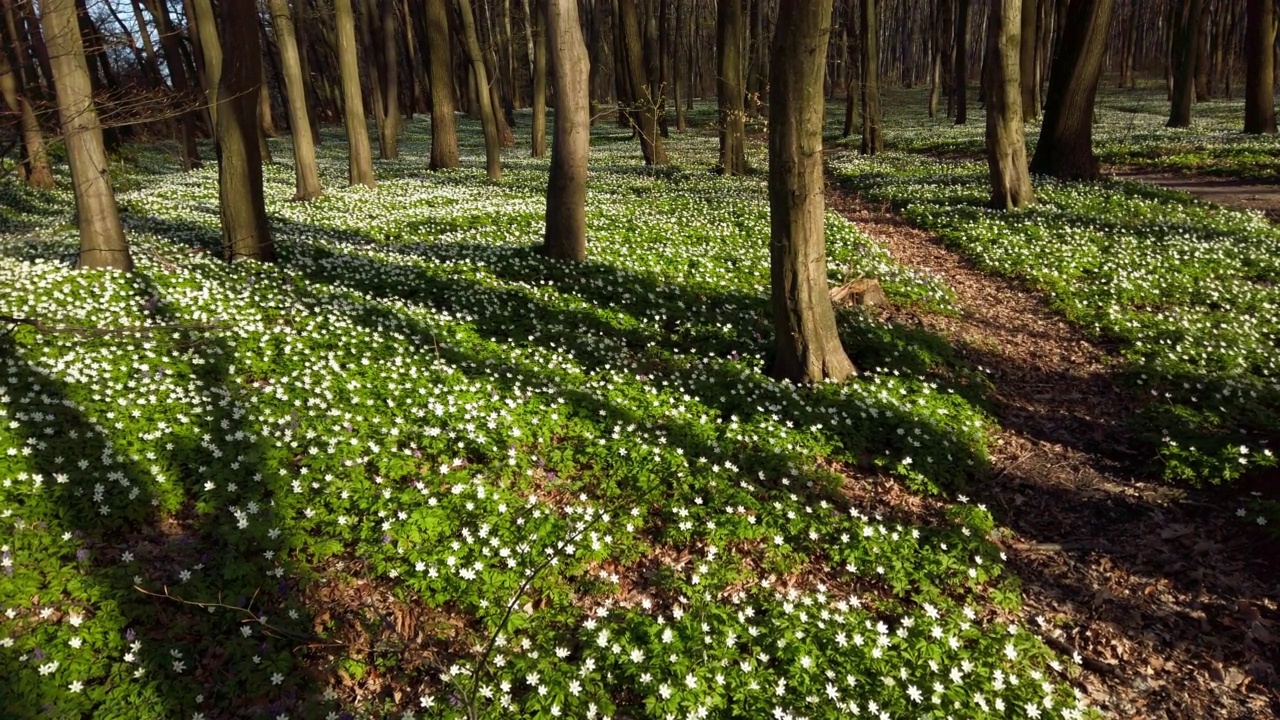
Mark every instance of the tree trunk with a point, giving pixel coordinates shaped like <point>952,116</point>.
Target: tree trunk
<point>872,140</point>
<point>1065,147</point>
<point>729,88</point>
<point>936,67</point>
<point>360,162</point>
<point>171,44</point>
<point>245,232</point>
<point>566,232</point>
<point>13,86</point>
<point>301,29</point>
<point>1259,84</point>
<point>960,85</point>
<point>1184,64</point>
<point>203,27</point>
<point>1202,53</point>
<point>387,39</point>
<point>1006,144</point>
<point>444,132</point>
<point>644,104</point>
<point>678,69</point>
<point>102,241</point>
<point>1027,60</point>
<point>808,344</point>
<point>488,112</point>
<point>539,32</point>
<point>304,152</point>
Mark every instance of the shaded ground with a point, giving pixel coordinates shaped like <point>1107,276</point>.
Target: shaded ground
<point>1171,603</point>
<point>1223,191</point>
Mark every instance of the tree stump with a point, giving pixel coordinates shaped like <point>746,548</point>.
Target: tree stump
<point>863,291</point>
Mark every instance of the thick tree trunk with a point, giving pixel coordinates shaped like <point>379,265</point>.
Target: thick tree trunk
<point>245,232</point>
<point>960,85</point>
<point>538,28</point>
<point>488,111</point>
<point>444,133</point>
<point>1065,147</point>
<point>644,104</point>
<point>1259,84</point>
<point>13,87</point>
<point>102,241</point>
<point>808,344</point>
<point>729,88</point>
<point>1006,144</point>
<point>360,162</point>
<point>872,140</point>
<point>1184,64</point>
<point>304,152</point>
<point>566,232</point>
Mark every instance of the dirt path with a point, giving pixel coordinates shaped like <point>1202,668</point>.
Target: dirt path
<point>1160,590</point>
<point>1223,191</point>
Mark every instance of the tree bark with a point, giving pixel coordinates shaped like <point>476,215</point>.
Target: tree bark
<point>1184,64</point>
<point>1259,83</point>
<point>13,87</point>
<point>203,27</point>
<point>960,85</point>
<point>538,26</point>
<point>102,240</point>
<point>729,88</point>
<point>444,132</point>
<point>245,232</point>
<point>872,140</point>
<point>171,44</point>
<point>488,113</point>
<point>1027,60</point>
<point>1065,147</point>
<point>360,163</point>
<point>1006,144</point>
<point>644,104</point>
<point>304,152</point>
<point>385,54</point>
<point>808,344</point>
<point>566,229</point>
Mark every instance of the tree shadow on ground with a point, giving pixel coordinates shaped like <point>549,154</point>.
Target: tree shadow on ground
<point>159,537</point>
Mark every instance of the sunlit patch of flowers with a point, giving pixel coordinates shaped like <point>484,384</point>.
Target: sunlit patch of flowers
<point>1191,290</point>
<point>1129,130</point>
<point>585,467</point>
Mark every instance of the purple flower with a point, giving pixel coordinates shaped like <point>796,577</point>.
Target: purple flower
<point>130,635</point>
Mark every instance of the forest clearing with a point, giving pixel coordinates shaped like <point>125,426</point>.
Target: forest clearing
<point>763,414</point>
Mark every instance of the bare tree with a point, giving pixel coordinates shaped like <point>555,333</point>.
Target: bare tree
<point>1006,144</point>
<point>488,112</point>
<point>808,344</point>
<point>566,233</point>
<point>304,151</point>
<point>102,241</point>
<point>14,89</point>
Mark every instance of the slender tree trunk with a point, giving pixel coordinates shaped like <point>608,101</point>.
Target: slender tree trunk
<point>730,90</point>
<point>961,83</point>
<point>566,232</point>
<point>102,240</point>
<point>1065,147</point>
<point>304,152</point>
<point>245,232</point>
<point>872,141</point>
<point>204,32</point>
<point>444,133</point>
<point>301,29</point>
<point>644,105</point>
<point>936,59</point>
<point>1184,64</point>
<point>808,343</point>
<point>1259,83</point>
<point>1006,144</point>
<point>13,86</point>
<point>488,112</point>
<point>1027,61</point>
<point>388,36</point>
<point>1202,53</point>
<point>539,31</point>
<point>360,164</point>
<point>678,68</point>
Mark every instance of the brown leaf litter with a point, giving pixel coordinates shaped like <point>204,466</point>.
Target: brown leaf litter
<point>1172,603</point>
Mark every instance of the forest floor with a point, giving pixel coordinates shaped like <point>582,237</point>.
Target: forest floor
<point>1172,609</point>
<point>1223,191</point>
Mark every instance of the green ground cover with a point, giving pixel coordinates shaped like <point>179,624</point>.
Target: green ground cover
<point>1188,289</point>
<point>1129,131</point>
<point>579,476</point>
